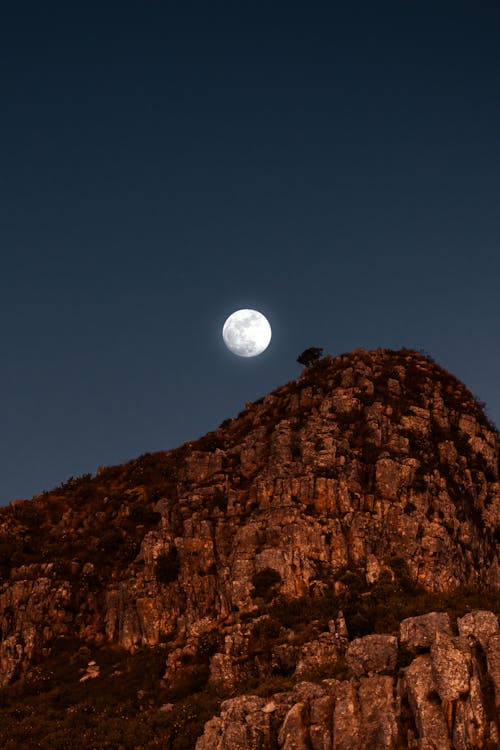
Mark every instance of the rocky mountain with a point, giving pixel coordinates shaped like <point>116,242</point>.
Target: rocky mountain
<point>320,573</point>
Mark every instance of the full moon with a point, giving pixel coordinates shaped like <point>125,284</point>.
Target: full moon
<point>246,333</point>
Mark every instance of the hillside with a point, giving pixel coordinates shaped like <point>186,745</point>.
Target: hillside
<point>268,576</point>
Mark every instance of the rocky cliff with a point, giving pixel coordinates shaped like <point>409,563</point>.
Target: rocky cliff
<point>321,572</point>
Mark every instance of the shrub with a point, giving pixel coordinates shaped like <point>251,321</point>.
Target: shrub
<point>111,541</point>
<point>208,644</point>
<point>209,443</point>
<point>81,657</point>
<point>10,552</point>
<point>310,356</point>
<point>336,668</point>
<point>130,549</point>
<point>219,499</point>
<point>291,612</point>
<point>274,684</point>
<point>264,635</point>
<point>191,679</point>
<point>401,572</point>
<point>354,580</point>
<point>370,452</point>
<point>140,514</point>
<point>265,583</point>
<point>26,512</point>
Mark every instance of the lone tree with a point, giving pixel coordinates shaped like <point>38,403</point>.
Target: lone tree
<point>309,356</point>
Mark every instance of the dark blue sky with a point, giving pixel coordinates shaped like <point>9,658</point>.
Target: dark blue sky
<point>334,165</point>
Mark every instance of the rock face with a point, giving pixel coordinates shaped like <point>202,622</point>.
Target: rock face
<point>418,633</point>
<point>373,654</point>
<point>436,702</point>
<point>375,474</point>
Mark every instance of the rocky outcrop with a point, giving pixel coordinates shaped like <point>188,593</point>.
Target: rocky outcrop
<point>374,475</point>
<point>439,700</point>
<point>373,654</point>
<point>419,633</point>
<point>246,722</point>
<point>478,625</point>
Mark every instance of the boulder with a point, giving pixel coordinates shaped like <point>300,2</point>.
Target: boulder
<point>419,633</point>
<point>294,733</point>
<point>372,654</point>
<point>451,666</point>
<point>480,624</point>
<point>426,705</point>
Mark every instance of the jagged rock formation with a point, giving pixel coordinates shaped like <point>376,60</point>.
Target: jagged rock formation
<point>444,698</point>
<point>361,486</point>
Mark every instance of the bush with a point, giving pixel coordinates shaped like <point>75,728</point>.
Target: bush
<point>111,542</point>
<point>140,514</point>
<point>401,572</point>
<point>59,712</point>
<point>310,356</point>
<point>265,583</point>
<point>336,668</point>
<point>10,552</point>
<point>264,635</point>
<point>274,684</point>
<point>191,679</point>
<point>219,500</point>
<point>26,512</point>
<point>208,644</point>
<point>209,443</point>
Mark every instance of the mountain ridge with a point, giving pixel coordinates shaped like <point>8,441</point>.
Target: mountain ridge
<point>332,510</point>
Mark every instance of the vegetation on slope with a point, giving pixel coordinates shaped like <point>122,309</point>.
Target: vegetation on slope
<point>130,707</point>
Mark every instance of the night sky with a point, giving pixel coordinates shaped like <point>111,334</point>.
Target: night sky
<point>165,163</point>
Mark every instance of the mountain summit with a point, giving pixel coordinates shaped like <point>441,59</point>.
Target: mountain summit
<point>320,573</point>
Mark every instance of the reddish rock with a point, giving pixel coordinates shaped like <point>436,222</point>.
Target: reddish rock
<point>419,633</point>
<point>479,624</point>
<point>371,467</point>
<point>372,654</point>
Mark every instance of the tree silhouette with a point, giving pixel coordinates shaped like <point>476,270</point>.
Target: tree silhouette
<point>309,356</point>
